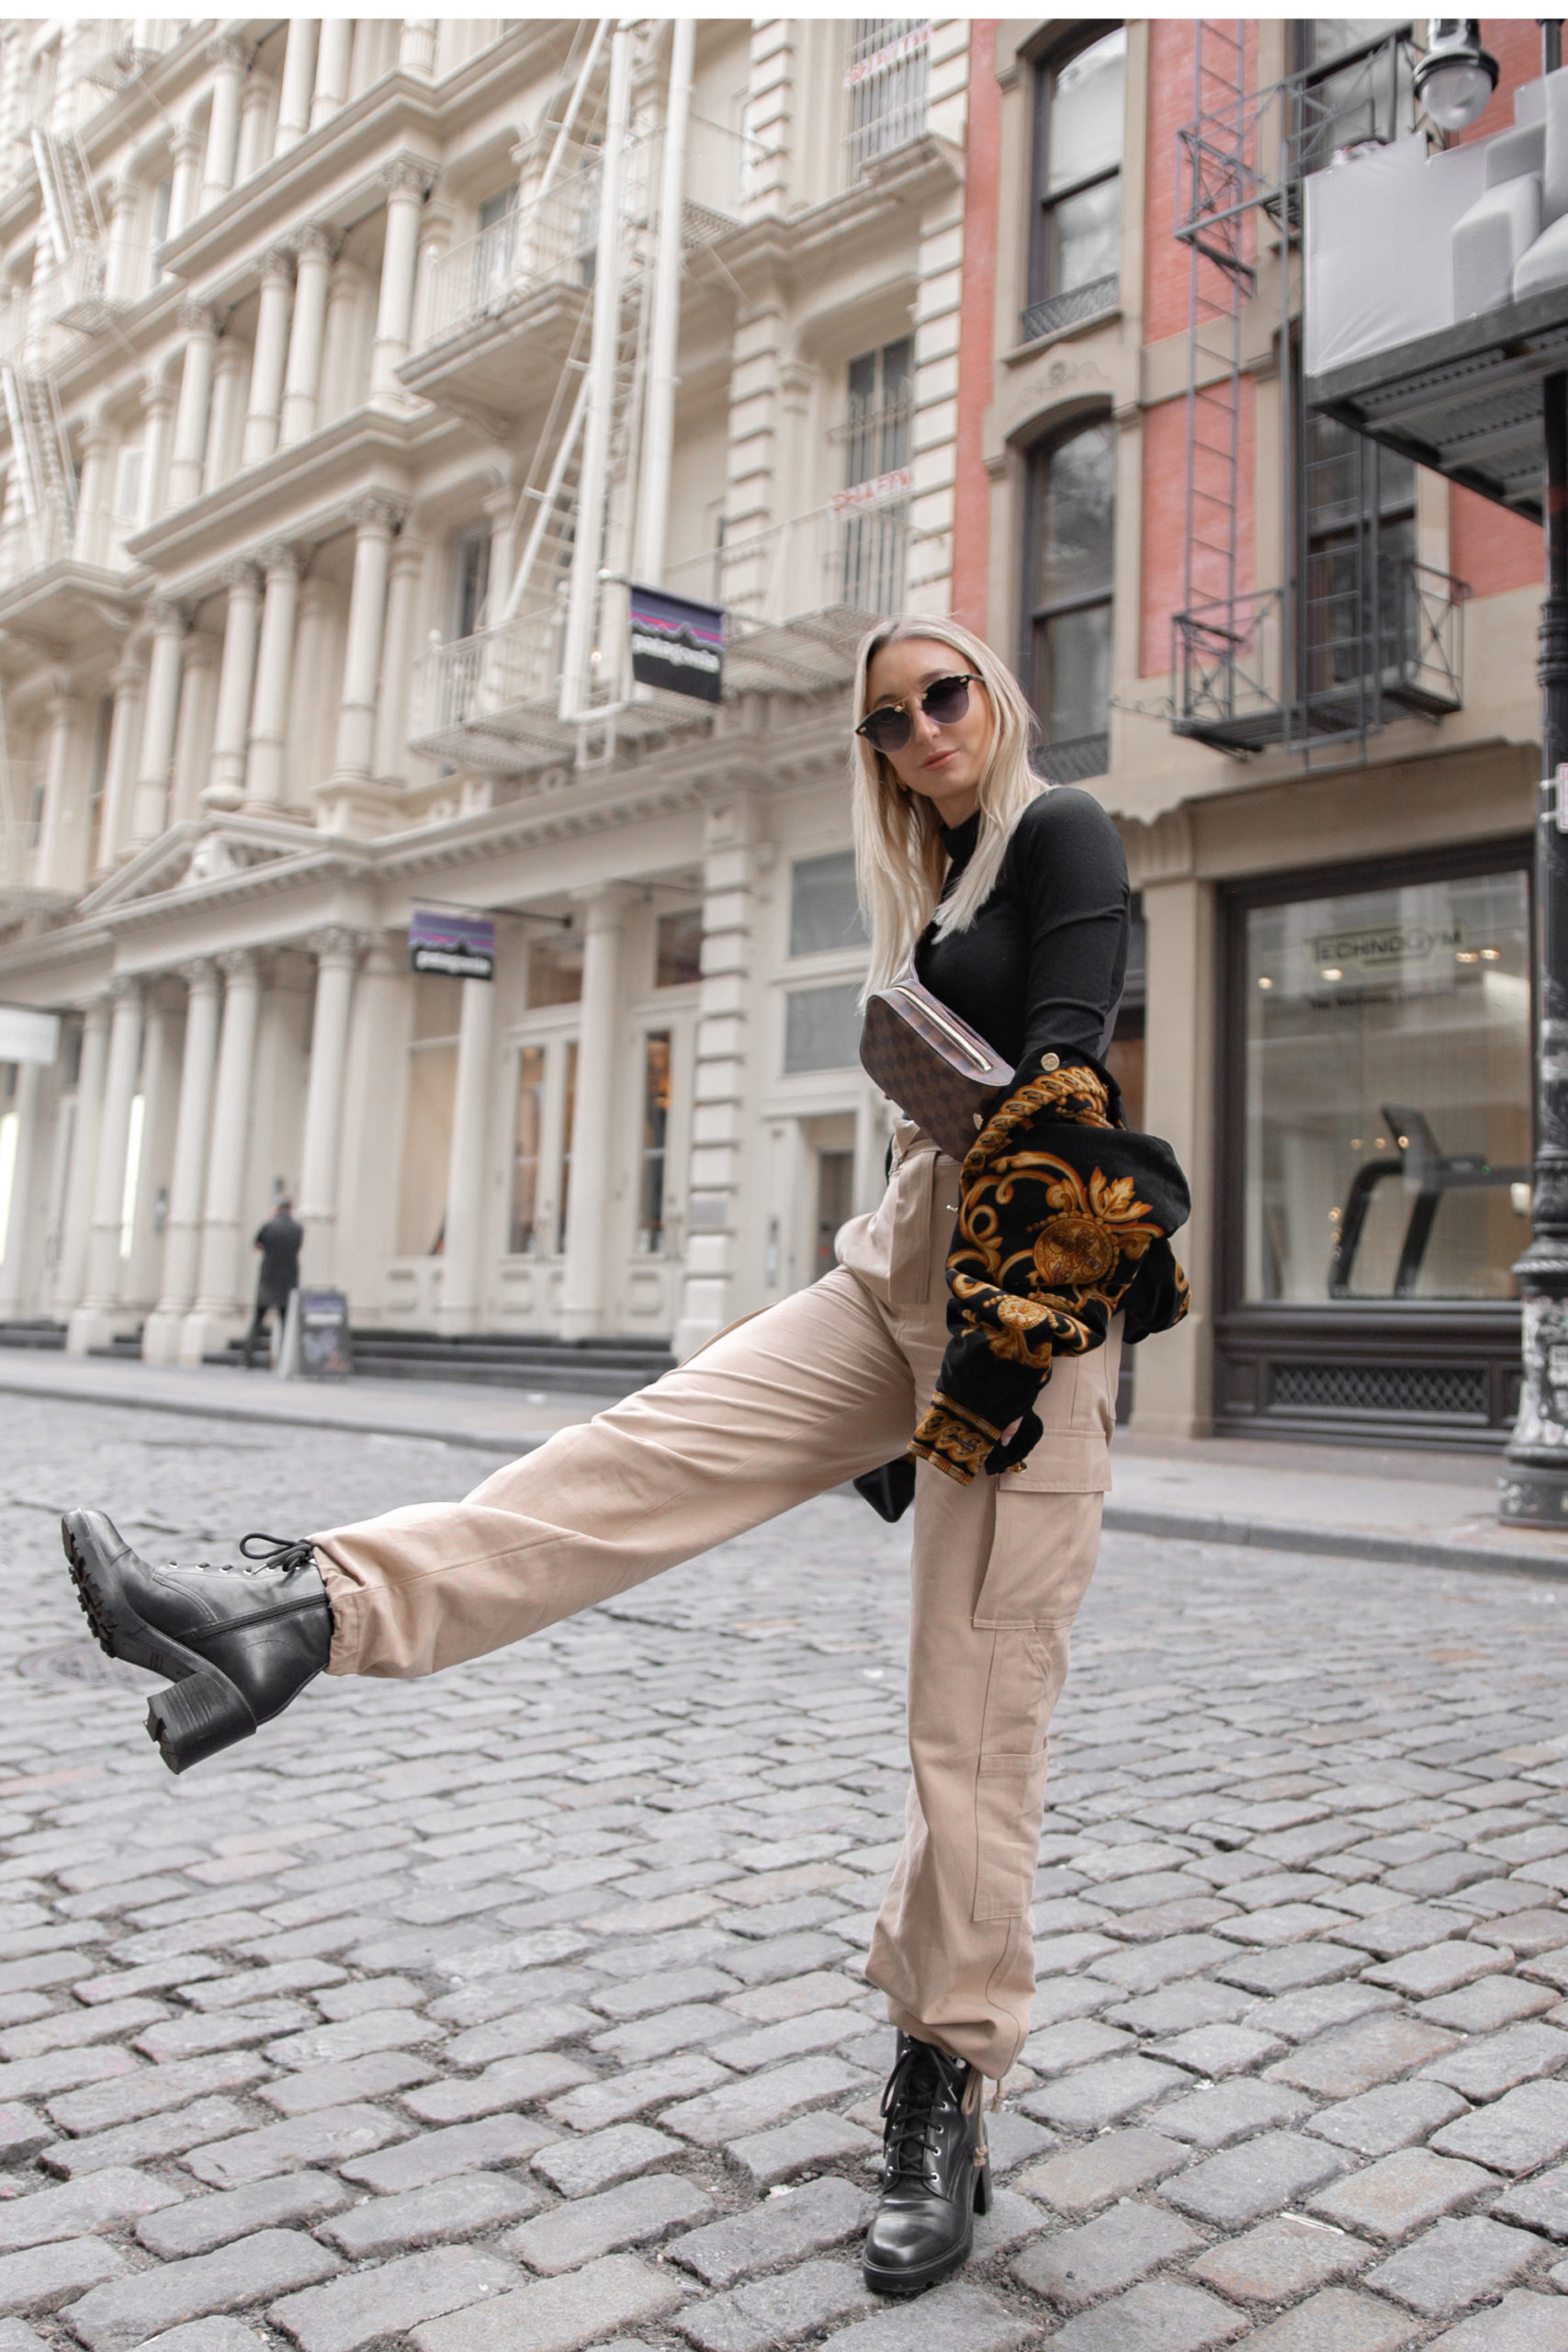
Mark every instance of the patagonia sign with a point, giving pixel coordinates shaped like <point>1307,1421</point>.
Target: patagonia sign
<point>460,946</point>
<point>677,645</point>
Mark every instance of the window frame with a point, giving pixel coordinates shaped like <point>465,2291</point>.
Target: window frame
<point>1038,459</point>
<point>1040,294</point>
<point>1446,862</point>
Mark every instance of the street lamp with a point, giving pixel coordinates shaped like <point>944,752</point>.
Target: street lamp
<point>1455,76</point>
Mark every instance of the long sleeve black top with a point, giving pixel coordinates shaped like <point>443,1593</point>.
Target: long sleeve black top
<point>1040,969</point>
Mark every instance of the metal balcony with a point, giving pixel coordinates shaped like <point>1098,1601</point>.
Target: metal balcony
<point>1250,673</point>
<point>798,598</point>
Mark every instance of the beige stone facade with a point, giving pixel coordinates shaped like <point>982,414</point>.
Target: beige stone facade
<point>333,437</point>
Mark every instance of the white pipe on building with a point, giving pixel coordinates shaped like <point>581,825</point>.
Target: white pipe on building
<point>579,88</point>
<point>659,426</point>
<point>575,667</point>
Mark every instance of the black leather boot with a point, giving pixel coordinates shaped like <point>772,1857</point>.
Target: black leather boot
<point>237,1643</point>
<point>935,2176</point>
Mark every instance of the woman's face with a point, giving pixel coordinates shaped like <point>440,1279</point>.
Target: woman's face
<point>943,764</point>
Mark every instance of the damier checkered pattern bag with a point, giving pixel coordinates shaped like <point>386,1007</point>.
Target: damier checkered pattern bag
<point>941,1072</point>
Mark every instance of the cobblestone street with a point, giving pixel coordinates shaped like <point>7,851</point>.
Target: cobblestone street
<point>522,2011</point>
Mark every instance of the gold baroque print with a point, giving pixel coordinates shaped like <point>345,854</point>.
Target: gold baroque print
<point>953,1440</point>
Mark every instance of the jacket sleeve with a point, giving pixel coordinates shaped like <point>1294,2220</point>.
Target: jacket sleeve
<point>1064,1214</point>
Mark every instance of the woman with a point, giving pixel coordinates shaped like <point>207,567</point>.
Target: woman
<point>1014,899</point>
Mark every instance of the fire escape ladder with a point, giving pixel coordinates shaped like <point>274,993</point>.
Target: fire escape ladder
<point>42,454</point>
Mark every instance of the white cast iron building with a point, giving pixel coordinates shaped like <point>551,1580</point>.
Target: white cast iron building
<point>351,369</point>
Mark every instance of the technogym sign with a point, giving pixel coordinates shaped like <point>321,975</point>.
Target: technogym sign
<point>1382,947</point>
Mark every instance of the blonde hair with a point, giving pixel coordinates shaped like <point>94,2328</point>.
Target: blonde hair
<point>899,861</point>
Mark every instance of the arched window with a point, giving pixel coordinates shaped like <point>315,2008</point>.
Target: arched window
<point>1068,596</point>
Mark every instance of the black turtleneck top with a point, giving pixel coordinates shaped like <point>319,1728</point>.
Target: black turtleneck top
<point>1040,969</point>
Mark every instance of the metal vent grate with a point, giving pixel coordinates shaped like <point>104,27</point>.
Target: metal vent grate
<point>1458,1391</point>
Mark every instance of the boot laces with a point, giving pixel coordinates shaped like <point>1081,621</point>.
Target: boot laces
<point>281,1553</point>
<point>918,2098</point>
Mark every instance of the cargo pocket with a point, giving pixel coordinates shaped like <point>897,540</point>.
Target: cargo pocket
<point>1009,1781</point>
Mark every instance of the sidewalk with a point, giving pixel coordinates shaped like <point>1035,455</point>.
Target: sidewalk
<point>1424,1509</point>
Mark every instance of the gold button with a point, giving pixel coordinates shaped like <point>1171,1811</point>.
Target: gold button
<point>1050,1062</point>
<point>978,1121</point>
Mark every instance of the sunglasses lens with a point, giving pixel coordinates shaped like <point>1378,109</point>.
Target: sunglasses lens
<point>946,700</point>
<point>887,730</point>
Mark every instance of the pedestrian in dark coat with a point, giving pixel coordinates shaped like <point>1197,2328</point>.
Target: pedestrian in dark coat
<point>280,1241</point>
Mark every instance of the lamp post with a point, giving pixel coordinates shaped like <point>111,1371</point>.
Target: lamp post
<point>1533,1490</point>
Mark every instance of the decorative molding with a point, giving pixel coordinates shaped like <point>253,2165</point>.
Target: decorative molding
<point>122,985</point>
<point>240,577</point>
<point>167,617</point>
<point>277,263</point>
<point>196,319</point>
<point>240,963</point>
<point>200,976</point>
<point>317,241</point>
<point>378,511</point>
<point>336,944</point>
<point>408,175</point>
<point>279,555</point>
<point>230,48</point>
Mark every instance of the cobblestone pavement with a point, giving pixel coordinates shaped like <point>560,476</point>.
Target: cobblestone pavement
<point>521,2010</point>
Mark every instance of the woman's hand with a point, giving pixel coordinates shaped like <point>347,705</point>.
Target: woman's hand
<point>1011,1431</point>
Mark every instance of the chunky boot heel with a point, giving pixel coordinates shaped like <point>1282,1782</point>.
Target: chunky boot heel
<point>192,1720</point>
<point>237,1643</point>
<point>935,2176</point>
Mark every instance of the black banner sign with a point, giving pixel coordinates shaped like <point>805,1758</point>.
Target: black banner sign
<point>677,645</point>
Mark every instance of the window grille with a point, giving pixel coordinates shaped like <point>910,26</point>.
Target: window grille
<point>886,82</point>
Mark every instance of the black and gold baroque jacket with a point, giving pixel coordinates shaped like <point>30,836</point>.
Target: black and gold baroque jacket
<point>1065,1219</point>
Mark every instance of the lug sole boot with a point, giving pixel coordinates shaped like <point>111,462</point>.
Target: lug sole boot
<point>936,2176</point>
<point>237,1643</point>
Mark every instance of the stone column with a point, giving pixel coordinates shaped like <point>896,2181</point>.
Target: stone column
<point>185,179</point>
<point>182,1234</point>
<point>253,106</point>
<point>719,1116</point>
<point>148,806</point>
<point>196,393</point>
<point>587,1216</point>
<point>336,953</point>
<point>196,724</point>
<point>72,1272</point>
<point>223,431</point>
<point>139,1281</point>
<point>92,1321</point>
<point>157,406</point>
<point>405,183</point>
<point>127,680</point>
<point>374,520</point>
<point>299,81</point>
<point>220,1296</point>
<point>271,353</point>
<point>311,749</point>
<point>416,46</point>
<point>63,849</point>
<point>303,381</point>
<point>333,54</point>
<point>459,1307</point>
<point>15,1264</point>
<point>398,660</point>
<point>93,493</point>
<point>264,778</point>
<point>230,58</point>
<point>226,773</point>
<point>120,261</point>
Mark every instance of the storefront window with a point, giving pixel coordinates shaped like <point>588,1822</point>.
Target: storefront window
<point>569,1120</point>
<point>1387,1040</point>
<point>524,1238</point>
<point>427,1126</point>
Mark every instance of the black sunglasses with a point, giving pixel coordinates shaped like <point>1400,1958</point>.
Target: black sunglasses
<point>944,701</point>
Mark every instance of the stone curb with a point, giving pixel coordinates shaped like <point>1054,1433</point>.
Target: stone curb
<point>1122,1518</point>
<point>1281,1535</point>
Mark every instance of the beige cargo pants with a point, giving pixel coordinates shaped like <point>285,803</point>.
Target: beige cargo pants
<point>824,1385</point>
